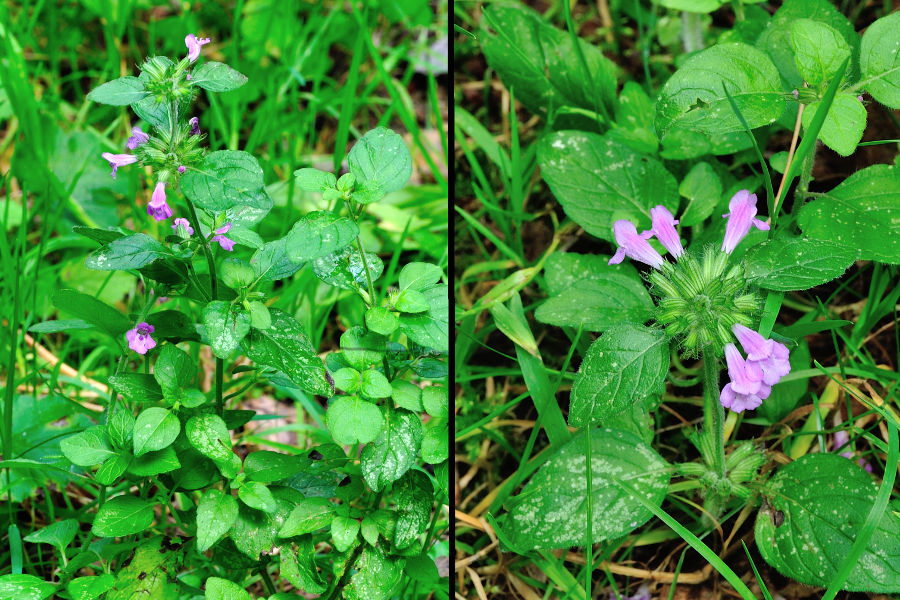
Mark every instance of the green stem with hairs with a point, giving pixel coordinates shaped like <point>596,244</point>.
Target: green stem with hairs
<point>713,411</point>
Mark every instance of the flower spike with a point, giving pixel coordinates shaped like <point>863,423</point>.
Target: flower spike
<point>634,246</point>
<point>740,219</point>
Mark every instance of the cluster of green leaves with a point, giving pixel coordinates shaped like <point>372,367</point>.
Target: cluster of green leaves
<point>607,156</point>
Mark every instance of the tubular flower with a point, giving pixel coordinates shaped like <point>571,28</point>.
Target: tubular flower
<point>663,227</point>
<point>740,219</point>
<point>158,207</point>
<point>226,243</point>
<point>137,138</point>
<point>193,44</point>
<point>182,222</point>
<point>139,338</point>
<point>770,356</point>
<point>195,126</point>
<point>118,160</point>
<point>633,245</point>
<point>746,390</point>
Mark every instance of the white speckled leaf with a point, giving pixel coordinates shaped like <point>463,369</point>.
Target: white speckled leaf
<point>879,60</point>
<point>318,234</point>
<point>123,515</point>
<point>226,179</point>
<point>216,513</point>
<point>154,429</point>
<point>627,364</point>
<point>551,511</point>
<point>597,180</point>
<point>786,264</point>
<point>825,499</point>
<point>300,569</point>
<point>24,587</point>
<point>209,435</point>
<point>350,419</point>
<point>863,212</point>
<point>225,327</point>
<point>88,448</point>
<point>375,577</point>
<point>414,493</point>
<point>381,156</point>
<point>394,451</point>
<point>844,124</point>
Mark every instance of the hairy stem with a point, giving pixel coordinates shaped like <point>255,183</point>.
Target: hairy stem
<point>713,411</point>
<point>805,177</point>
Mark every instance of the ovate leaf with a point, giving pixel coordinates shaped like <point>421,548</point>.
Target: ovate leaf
<point>267,466</point>
<point>123,515</point>
<point>319,234</point>
<point>88,448</point>
<point>90,588</point>
<point>551,510</point>
<point>414,494</point>
<point>24,587</point>
<point>819,50</point>
<point>394,450</point>
<point>430,328</point>
<point>154,429</point>
<point>787,264</point>
<point>226,325</point>
<point>226,179</point>
<point>119,92</point>
<point>208,434</point>
<point>256,495</point>
<point>627,364</point>
<point>381,156</point>
<point>879,61</point>
<point>90,309</point>
<point>350,419</point>
<point>129,252</point>
<point>59,534</point>
<point>216,513</point>
<point>310,514</point>
<point>217,77</point>
<point>222,589</point>
<point>844,124</point>
<point>343,532</point>
<point>375,577</point>
<point>703,189</point>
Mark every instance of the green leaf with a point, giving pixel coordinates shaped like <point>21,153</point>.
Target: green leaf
<point>110,471</point>
<point>585,291</point>
<point>24,587</point>
<point>381,320</point>
<point>146,573</point>
<point>410,301</point>
<point>253,531</point>
<point>361,349</point>
<point>216,513</point>
<point>88,448</point>
<point>419,276</point>
<point>59,325</point>
<point>217,77</point>
<point>300,570</point>
<point>284,346</point>
<point>435,400</point>
<point>259,315</point>
<point>173,370</point>
<point>309,515</point>
<point>627,364</point>
<point>123,515</point>
<point>791,263</point>
<point>267,466</point>
<point>121,428</point>
<point>550,511</point>
<point>382,157</point>
<point>825,499</point>
<point>819,50</point>
<point>129,252</point>
<point>541,63</point>
<point>226,325</point>
<point>862,212</point>
<point>407,395</point>
<point>256,495</point>
<point>59,534</point>
<point>226,179</point>
<point>430,329</point>
<point>347,379</point>
<point>271,261</point>
<point>369,530</point>
<point>375,577</point>
<point>844,124</point>
<point>154,463</point>
<point>351,419</point>
<point>314,180</point>
<point>343,532</point>
<point>97,313</point>
<point>599,181</point>
<point>374,385</point>
<point>208,434</point>
<point>154,429</point>
<point>91,587</point>
<point>394,450</point>
<point>136,387</point>
<point>414,493</point>
<point>435,444</point>
<point>694,97</point>
<point>319,234</point>
<point>703,189</point>
<point>119,92</point>
<point>345,269</point>
<point>879,61</point>
<point>222,589</point>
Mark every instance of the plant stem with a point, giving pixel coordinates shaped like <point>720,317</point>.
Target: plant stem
<point>339,584</point>
<point>713,411</point>
<point>805,176</point>
<point>691,32</point>
<point>267,580</point>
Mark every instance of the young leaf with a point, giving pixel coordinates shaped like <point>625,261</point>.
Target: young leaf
<point>410,301</point>
<point>266,466</point>
<point>844,124</point>
<point>351,419</point>
<point>173,370</point>
<point>629,362</point>
<point>598,180</point>
<point>310,514</point>
<point>550,511</point>
<point>226,325</point>
<point>435,445</point>
<point>419,276</point>
<point>217,77</point>
<point>121,428</point>
<point>222,589</point>
<point>256,495</point>
<point>361,349</point>
<point>226,179</point>
<point>91,587</point>
<point>129,252</point>
<point>825,499</point>
<point>381,156</point>
<point>123,515</point>
<point>376,576</point>
<point>208,434</point>
<point>112,469</point>
<point>271,261</point>
<point>216,513</point>
<point>319,234</point>
<point>97,313</point>
<point>343,532</point>
<point>345,269</point>
<point>314,180</point>
<point>285,346</point>
<point>394,450</point>
<point>879,61</point>
<point>119,92</point>
<point>406,395</point>
<point>414,494</point>
<point>819,50</point>
<point>300,570</point>
<point>381,320</point>
<point>88,448</point>
<point>374,385</point>
<point>787,263</point>
<point>430,329</point>
<point>59,534</point>
<point>434,398</point>
<point>154,429</point>
<point>347,379</point>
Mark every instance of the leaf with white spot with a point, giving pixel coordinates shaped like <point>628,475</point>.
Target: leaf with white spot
<point>209,435</point>
<point>226,325</point>
<point>414,493</point>
<point>154,429</point>
<point>24,587</point>
<point>825,499</point>
<point>123,515</point>
<point>627,364</point>
<point>375,577</point>
<point>787,264</point>
<point>551,510</point>
<point>216,513</point>
<point>879,60</point>
<point>394,451</point>
<point>597,180</point>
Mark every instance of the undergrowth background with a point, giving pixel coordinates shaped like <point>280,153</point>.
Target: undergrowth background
<point>320,75</point>
<point>508,222</point>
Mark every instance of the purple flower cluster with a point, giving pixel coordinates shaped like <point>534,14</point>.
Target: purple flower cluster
<point>752,378</point>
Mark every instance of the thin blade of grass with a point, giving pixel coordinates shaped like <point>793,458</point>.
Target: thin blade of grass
<point>770,193</point>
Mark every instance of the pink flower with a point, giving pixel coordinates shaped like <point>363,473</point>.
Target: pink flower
<point>226,243</point>
<point>663,227</point>
<point>841,439</point>
<point>158,207</point>
<point>118,160</point>
<point>139,338</point>
<point>740,219</point>
<point>182,169</point>
<point>195,126</point>
<point>755,345</point>
<point>181,221</point>
<point>633,245</point>
<point>137,138</point>
<point>746,390</point>
<point>193,44</point>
